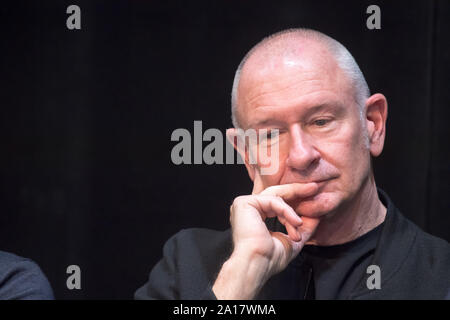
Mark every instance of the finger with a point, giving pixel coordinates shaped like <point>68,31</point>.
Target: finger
<point>292,248</point>
<point>275,207</point>
<point>293,233</point>
<point>292,190</point>
<point>308,227</point>
<point>258,184</point>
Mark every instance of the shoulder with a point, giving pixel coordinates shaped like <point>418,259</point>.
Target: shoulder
<point>423,250</point>
<point>430,259</point>
<point>200,238</point>
<point>436,250</point>
<point>199,244</point>
<point>191,259</point>
<point>21,278</point>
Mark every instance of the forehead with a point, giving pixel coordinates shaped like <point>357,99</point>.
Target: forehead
<point>303,76</point>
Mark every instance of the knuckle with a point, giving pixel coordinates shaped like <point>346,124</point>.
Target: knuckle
<point>239,201</point>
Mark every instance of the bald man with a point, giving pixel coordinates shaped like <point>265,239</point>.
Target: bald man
<point>318,227</point>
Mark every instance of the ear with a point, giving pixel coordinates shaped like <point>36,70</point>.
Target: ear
<point>241,148</point>
<point>376,116</point>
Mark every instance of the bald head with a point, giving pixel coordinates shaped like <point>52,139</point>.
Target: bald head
<point>303,49</point>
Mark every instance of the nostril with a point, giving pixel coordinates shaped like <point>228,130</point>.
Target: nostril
<point>304,163</point>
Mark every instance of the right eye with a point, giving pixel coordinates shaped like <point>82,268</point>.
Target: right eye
<point>273,133</point>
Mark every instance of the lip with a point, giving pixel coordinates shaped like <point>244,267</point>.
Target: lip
<point>322,181</point>
<point>320,184</point>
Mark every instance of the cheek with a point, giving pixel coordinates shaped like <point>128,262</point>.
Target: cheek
<point>278,162</point>
<point>337,152</point>
<point>348,154</point>
<point>358,154</point>
<point>275,178</point>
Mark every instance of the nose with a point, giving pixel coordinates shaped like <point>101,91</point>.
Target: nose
<point>302,154</point>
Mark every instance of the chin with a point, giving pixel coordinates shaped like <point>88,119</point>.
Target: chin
<point>319,205</point>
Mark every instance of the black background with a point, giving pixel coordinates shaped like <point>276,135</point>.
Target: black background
<point>87,116</point>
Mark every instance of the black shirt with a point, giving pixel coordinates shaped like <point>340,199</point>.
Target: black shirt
<point>325,272</point>
<point>337,269</point>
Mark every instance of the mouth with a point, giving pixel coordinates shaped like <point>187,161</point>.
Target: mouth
<point>321,184</point>
<point>322,181</point>
<point>314,198</point>
<point>316,181</point>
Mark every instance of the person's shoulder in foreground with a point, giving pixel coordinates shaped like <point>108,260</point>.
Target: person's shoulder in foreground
<point>22,279</point>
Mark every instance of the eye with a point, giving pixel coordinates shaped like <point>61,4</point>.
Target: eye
<point>272,134</point>
<point>321,122</point>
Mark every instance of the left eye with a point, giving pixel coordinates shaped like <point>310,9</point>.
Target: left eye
<point>321,122</point>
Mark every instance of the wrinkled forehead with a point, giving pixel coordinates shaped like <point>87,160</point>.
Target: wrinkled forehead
<point>280,74</point>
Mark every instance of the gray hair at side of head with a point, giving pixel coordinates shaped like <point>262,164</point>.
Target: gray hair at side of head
<point>343,58</point>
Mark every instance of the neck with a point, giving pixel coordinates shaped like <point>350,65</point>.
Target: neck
<point>358,216</point>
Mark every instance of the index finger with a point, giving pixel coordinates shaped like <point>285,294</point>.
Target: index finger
<point>292,190</point>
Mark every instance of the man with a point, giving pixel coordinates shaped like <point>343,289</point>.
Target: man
<point>318,228</point>
<point>22,279</point>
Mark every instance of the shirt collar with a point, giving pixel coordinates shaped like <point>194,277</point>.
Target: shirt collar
<point>394,245</point>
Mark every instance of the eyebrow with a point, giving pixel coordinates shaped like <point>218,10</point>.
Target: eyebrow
<point>335,107</point>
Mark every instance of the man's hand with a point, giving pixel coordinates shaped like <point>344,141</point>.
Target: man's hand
<point>259,253</point>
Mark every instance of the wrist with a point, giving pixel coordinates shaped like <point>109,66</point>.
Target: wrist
<point>242,276</point>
